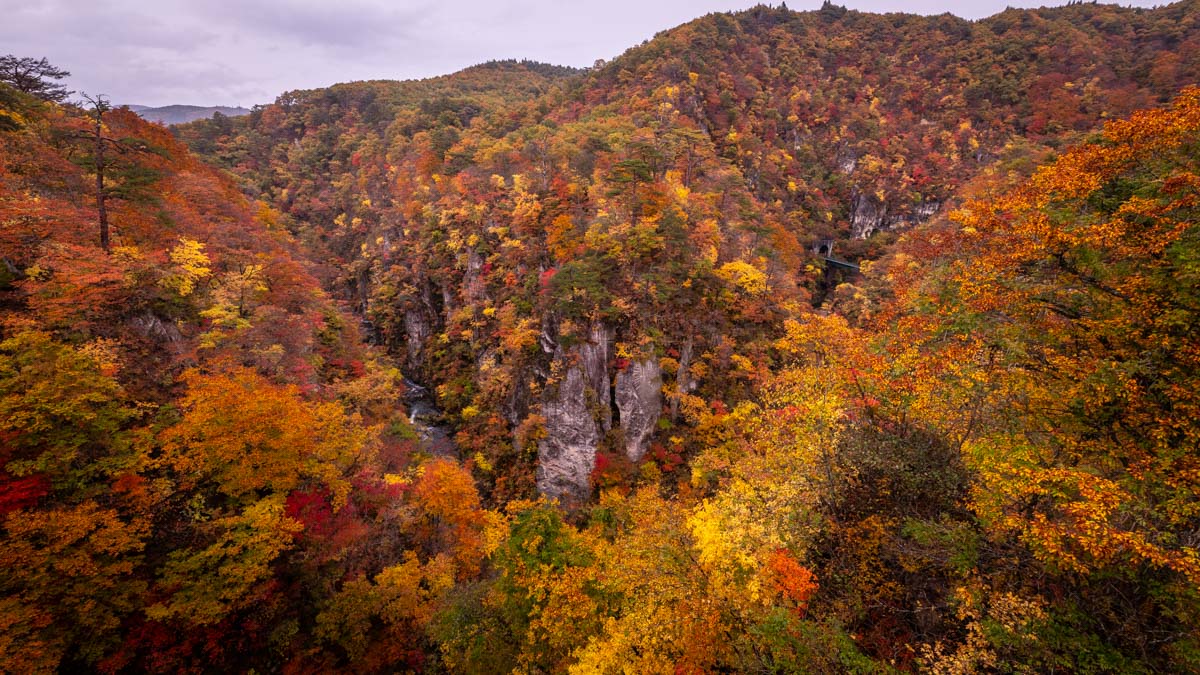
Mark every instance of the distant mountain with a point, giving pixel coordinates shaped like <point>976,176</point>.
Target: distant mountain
<point>181,114</point>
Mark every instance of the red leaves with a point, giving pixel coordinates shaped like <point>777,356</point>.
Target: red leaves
<point>21,493</point>
<point>602,464</point>
<point>312,509</point>
<point>668,460</point>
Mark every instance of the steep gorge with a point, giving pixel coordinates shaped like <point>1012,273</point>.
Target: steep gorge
<point>533,239</point>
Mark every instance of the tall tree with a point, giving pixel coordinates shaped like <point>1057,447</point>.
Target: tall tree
<point>34,76</point>
<point>115,177</point>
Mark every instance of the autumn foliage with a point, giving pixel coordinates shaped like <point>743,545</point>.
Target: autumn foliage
<point>962,440</point>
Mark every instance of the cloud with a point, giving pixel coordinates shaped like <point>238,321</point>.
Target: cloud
<point>353,24</point>
<point>242,52</point>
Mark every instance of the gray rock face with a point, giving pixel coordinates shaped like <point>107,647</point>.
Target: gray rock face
<point>846,160</point>
<point>154,328</point>
<point>473,284</point>
<point>416,334</point>
<point>639,400</point>
<point>592,356</point>
<point>684,383</point>
<point>425,417</point>
<point>869,215</point>
<point>925,210</point>
<point>567,455</point>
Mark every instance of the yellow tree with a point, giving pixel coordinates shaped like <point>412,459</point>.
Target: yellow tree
<point>1084,286</point>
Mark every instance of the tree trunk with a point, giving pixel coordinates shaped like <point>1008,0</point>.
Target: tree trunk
<point>101,207</point>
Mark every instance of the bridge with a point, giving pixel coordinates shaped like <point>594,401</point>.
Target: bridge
<point>841,263</point>
<point>824,250</point>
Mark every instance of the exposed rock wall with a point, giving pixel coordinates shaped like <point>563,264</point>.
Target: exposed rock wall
<point>154,328</point>
<point>577,413</point>
<point>567,455</point>
<point>925,210</point>
<point>416,334</point>
<point>639,400</point>
<point>868,215</point>
<point>593,357</point>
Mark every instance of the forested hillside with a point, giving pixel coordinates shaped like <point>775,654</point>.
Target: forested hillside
<point>196,445</point>
<point>784,342</point>
<point>656,218</point>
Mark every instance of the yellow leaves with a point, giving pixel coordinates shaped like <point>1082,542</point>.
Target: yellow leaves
<point>403,590</point>
<point>1086,529</point>
<point>818,337</point>
<point>775,476</point>
<point>190,266</point>
<point>527,208</point>
<point>495,531</point>
<point>68,577</point>
<point>667,617</point>
<point>268,217</point>
<point>402,599</point>
<point>730,536</point>
<point>987,614</point>
<point>235,295</point>
<point>211,582</point>
<point>742,366</point>
<point>744,276</point>
<point>105,352</point>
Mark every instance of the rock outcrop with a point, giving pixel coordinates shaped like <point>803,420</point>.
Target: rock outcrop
<point>152,327</point>
<point>417,330</point>
<point>868,215</point>
<point>576,413</point>
<point>567,454</point>
<point>639,401</point>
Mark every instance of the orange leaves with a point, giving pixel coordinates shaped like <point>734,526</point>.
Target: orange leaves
<point>791,580</point>
<point>562,238</point>
<point>1082,288</point>
<point>78,287</point>
<point>245,434</point>
<point>453,519</point>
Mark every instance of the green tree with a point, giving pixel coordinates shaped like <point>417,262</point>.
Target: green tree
<point>34,76</point>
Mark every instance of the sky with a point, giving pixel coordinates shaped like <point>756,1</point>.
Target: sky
<point>245,52</point>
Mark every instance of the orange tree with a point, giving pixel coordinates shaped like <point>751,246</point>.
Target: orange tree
<point>1084,284</point>
<point>1056,347</point>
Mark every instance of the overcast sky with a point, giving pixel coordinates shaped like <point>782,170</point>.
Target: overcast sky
<point>243,52</point>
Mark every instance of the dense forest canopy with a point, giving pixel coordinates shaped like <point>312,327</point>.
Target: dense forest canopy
<point>784,342</point>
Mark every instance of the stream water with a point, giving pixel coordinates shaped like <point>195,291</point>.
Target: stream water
<point>428,420</point>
